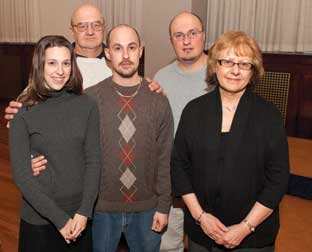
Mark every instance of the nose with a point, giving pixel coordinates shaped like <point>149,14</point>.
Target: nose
<point>186,39</point>
<point>89,29</point>
<point>60,70</point>
<point>235,69</point>
<point>125,53</point>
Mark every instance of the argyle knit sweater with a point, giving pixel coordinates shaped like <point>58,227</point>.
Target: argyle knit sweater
<point>136,140</point>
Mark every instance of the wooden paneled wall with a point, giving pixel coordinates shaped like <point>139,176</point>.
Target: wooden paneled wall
<point>299,109</point>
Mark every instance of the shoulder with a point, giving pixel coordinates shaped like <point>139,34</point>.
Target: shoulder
<point>165,71</point>
<point>95,89</point>
<point>199,102</point>
<point>266,108</point>
<point>85,100</point>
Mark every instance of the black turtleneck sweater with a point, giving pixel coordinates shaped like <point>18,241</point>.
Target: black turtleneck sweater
<point>64,129</point>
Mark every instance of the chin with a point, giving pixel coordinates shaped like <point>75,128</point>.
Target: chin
<point>189,58</point>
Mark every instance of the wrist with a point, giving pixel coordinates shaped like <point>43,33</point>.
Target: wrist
<point>251,227</point>
<point>199,218</point>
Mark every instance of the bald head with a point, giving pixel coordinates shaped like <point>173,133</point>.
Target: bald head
<point>86,11</point>
<point>87,25</point>
<point>185,18</point>
<point>121,28</point>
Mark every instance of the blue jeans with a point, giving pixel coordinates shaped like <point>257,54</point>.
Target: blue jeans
<point>136,226</point>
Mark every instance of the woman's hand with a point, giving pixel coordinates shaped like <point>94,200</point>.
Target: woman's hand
<point>79,224</point>
<point>236,233</point>
<point>66,231</point>
<point>213,227</point>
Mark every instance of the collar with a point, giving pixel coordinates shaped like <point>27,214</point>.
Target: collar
<point>100,56</point>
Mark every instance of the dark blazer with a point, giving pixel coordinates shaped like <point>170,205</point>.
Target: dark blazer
<point>255,163</point>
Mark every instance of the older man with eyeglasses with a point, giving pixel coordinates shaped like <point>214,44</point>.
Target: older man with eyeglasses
<point>87,25</point>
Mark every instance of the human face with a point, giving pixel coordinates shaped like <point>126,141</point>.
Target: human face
<point>188,50</point>
<point>92,37</point>
<point>124,52</point>
<point>57,67</point>
<point>233,80</point>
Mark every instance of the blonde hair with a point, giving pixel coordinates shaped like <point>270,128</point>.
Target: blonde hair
<point>242,45</point>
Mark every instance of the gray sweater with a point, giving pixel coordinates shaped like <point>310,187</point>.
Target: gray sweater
<point>136,139</point>
<point>64,129</point>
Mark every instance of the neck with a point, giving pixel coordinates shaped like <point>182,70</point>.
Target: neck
<point>126,82</point>
<point>88,52</point>
<point>229,98</point>
<point>194,65</point>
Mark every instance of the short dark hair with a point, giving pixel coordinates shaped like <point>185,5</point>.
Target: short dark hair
<point>186,12</point>
<point>37,89</point>
<point>115,27</point>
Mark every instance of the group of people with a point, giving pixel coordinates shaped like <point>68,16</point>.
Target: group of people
<point>93,151</point>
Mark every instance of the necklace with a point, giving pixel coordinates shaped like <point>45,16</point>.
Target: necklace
<point>230,108</point>
<point>131,95</point>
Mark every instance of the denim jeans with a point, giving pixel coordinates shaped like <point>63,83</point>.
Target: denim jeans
<point>136,226</point>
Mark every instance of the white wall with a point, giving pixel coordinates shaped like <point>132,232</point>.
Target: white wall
<point>157,15</point>
<point>56,16</point>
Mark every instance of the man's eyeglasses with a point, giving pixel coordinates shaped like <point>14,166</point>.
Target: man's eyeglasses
<point>241,65</point>
<point>96,26</point>
<point>191,34</point>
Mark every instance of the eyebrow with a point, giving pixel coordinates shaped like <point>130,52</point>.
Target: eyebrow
<point>130,44</point>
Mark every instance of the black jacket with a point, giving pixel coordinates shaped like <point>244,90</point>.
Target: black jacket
<point>256,165</point>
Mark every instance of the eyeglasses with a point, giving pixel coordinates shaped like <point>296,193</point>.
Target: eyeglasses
<point>96,26</point>
<point>241,65</point>
<point>191,34</point>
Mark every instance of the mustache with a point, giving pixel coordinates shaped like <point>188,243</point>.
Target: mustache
<point>126,62</point>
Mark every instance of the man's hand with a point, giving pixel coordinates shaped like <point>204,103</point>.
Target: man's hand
<point>66,231</point>
<point>160,221</point>
<point>213,227</point>
<point>38,165</point>
<point>79,224</point>
<point>11,110</point>
<point>155,87</point>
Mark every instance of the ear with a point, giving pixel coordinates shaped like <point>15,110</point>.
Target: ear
<point>107,53</point>
<point>141,50</point>
<point>204,37</point>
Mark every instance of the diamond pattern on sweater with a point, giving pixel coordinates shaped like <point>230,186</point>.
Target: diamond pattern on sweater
<point>128,178</point>
<point>127,144</point>
<point>127,128</point>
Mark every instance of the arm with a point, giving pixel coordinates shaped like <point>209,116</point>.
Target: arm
<point>92,171</point>
<point>239,232</point>
<point>24,179</point>
<point>276,171</point>
<point>164,145</point>
<point>211,225</point>
<point>181,168</point>
<point>276,175</point>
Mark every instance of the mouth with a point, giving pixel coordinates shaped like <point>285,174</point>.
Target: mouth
<point>58,79</point>
<point>187,50</point>
<point>233,80</point>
